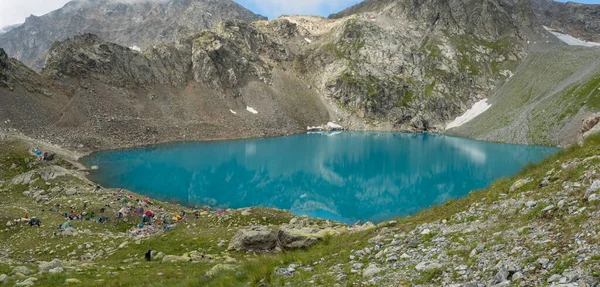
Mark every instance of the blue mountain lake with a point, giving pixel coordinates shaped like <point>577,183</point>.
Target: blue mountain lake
<point>344,176</point>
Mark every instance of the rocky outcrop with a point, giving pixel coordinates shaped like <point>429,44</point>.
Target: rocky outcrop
<point>589,123</point>
<point>255,238</point>
<point>100,94</point>
<point>4,65</point>
<point>44,173</point>
<point>129,23</point>
<point>287,237</point>
<point>420,64</point>
<point>571,18</point>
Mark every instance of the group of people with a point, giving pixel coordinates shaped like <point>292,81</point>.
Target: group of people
<point>33,221</point>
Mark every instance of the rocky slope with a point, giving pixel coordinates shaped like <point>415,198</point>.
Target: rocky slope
<point>129,23</point>
<point>94,94</point>
<point>546,100</point>
<point>389,65</point>
<point>576,19</point>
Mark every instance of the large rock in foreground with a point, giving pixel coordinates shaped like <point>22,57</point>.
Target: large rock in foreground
<point>262,238</point>
<point>255,238</point>
<point>294,238</point>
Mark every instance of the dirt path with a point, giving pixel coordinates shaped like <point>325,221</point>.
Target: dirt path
<point>70,156</point>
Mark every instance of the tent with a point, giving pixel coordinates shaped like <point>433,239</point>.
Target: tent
<point>148,213</point>
<point>123,200</point>
<point>139,210</point>
<point>144,219</point>
<point>66,225</point>
<point>124,211</point>
<point>102,219</point>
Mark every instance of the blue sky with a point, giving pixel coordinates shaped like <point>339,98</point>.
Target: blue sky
<point>274,8</point>
<point>585,1</point>
<point>15,11</point>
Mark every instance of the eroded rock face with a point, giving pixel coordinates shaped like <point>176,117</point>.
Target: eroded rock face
<point>589,123</point>
<point>291,237</point>
<point>256,238</point>
<point>4,65</point>
<point>262,238</point>
<point>129,23</point>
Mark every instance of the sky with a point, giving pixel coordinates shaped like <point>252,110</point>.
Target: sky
<point>15,11</point>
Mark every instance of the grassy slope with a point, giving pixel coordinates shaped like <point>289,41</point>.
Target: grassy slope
<point>29,243</point>
<point>338,249</point>
<point>544,102</point>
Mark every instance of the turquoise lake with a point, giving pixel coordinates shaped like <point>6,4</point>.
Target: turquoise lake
<point>344,176</point>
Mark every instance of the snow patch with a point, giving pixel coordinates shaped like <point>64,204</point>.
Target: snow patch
<point>308,40</point>
<point>233,112</point>
<point>477,109</point>
<point>570,40</point>
<point>135,48</point>
<point>252,110</point>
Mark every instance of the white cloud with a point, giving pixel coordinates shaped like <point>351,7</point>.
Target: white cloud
<point>275,8</point>
<point>15,11</point>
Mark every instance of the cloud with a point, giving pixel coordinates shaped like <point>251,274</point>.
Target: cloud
<point>275,8</point>
<point>15,11</point>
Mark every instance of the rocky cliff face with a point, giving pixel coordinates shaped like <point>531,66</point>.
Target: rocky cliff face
<point>393,65</point>
<point>227,83</point>
<point>419,64</point>
<point>579,20</point>
<point>139,23</point>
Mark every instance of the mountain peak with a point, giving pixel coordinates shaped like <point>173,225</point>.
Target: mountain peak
<point>126,22</point>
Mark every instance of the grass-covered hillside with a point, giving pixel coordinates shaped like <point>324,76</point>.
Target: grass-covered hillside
<point>545,101</point>
<point>539,228</point>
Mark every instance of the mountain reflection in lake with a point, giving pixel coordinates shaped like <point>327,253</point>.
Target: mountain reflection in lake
<point>347,176</point>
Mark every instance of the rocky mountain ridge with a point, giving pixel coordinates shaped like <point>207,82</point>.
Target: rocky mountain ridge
<point>138,24</point>
<point>387,65</point>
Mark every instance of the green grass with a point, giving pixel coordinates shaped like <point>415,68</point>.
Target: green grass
<point>544,95</point>
<point>250,269</point>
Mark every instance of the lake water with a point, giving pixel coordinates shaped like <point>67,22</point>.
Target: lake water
<point>347,176</point>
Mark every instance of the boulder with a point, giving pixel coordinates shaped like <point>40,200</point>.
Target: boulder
<point>4,278</point>
<point>52,172</point>
<point>501,276</point>
<point>71,191</point>
<point>72,281</point>
<point>428,266</point>
<point>24,178</point>
<point>292,238</point>
<point>21,269</point>
<point>46,173</point>
<point>519,183</point>
<point>175,258</point>
<point>27,282</point>
<point>256,238</point>
<point>589,123</point>
<point>46,266</point>
<point>371,270</point>
<point>196,256</point>
<point>56,270</point>
<point>158,256</point>
<point>218,269</point>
